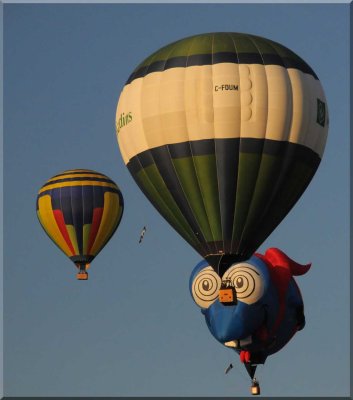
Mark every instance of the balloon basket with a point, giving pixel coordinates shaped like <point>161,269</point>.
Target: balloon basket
<point>82,276</point>
<point>227,293</point>
<point>226,296</point>
<point>255,389</point>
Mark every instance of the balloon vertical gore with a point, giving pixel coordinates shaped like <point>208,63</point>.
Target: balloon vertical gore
<point>223,132</point>
<point>80,210</point>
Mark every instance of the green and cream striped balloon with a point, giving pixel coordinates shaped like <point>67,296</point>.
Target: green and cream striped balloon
<point>223,133</point>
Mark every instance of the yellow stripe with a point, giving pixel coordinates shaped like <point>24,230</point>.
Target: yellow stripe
<point>77,183</point>
<point>73,238</point>
<point>81,175</point>
<point>111,214</point>
<point>86,232</point>
<point>46,218</point>
<point>77,170</point>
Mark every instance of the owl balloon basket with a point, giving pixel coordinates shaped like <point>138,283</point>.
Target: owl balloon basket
<point>227,293</point>
<point>255,387</point>
<point>251,368</point>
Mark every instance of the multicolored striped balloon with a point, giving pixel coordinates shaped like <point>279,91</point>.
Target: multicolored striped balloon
<point>80,210</point>
<point>223,133</point>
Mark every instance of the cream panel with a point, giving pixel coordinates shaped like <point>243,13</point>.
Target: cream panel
<point>226,100</point>
<point>172,106</point>
<point>301,102</point>
<point>150,109</point>
<point>121,106</point>
<point>131,137</point>
<point>254,100</point>
<point>305,129</point>
<point>315,137</point>
<point>303,96</point>
<point>183,104</point>
<point>321,139</point>
<point>198,97</point>
<point>279,103</point>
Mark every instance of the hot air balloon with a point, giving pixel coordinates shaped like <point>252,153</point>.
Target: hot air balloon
<point>259,312</point>
<point>223,132</point>
<point>80,210</point>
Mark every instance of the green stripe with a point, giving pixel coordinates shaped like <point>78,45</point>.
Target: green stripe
<point>247,176</point>
<point>268,185</point>
<point>291,189</point>
<point>85,237</point>
<point>206,170</point>
<point>198,179</point>
<point>263,195</point>
<point>153,186</point>
<point>210,43</point>
<point>207,146</point>
<point>215,48</point>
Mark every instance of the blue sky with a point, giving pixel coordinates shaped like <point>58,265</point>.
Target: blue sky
<point>132,329</point>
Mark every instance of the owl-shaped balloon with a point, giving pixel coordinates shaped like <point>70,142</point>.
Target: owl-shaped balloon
<point>255,307</point>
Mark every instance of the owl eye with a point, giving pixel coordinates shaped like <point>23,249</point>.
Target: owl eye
<point>248,282</point>
<point>205,287</point>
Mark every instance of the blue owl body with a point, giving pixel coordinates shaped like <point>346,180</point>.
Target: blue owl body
<point>268,309</point>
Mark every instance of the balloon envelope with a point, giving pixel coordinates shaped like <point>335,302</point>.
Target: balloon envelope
<point>268,311</point>
<point>223,133</point>
<point>80,210</point>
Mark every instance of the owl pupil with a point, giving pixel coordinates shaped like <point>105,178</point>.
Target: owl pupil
<point>240,282</point>
<point>205,285</point>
